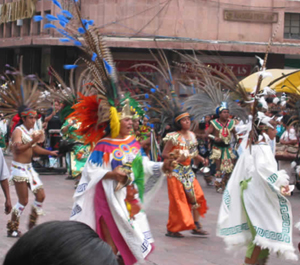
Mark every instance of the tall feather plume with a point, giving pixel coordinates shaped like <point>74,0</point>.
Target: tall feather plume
<point>20,90</point>
<point>161,99</point>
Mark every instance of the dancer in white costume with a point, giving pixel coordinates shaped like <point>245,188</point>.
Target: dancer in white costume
<point>254,210</point>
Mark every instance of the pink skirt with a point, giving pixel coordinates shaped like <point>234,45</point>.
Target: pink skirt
<point>102,210</point>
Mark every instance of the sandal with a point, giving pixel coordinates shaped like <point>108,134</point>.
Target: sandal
<point>174,234</point>
<point>200,232</point>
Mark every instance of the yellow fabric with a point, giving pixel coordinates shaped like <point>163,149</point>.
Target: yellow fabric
<point>286,84</point>
<point>114,122</point>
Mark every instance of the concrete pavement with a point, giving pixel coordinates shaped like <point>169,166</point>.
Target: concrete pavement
<point>191,250</point>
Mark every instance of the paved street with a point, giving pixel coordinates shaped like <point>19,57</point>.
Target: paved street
<point>190,250</point>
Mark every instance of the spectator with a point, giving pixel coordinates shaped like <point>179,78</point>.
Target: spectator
<point>60,243</point>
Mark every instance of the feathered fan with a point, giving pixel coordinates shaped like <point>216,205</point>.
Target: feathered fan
<point>20,90</point>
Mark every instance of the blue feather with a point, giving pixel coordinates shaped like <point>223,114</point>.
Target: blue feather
<point>67,13</point>
<point>22,92</point>
<point>77,43</point>
<point>81,30</point>
<point>63,24</point>
<point>90,22</point>
<point>70,66</point>
<point>51,17</point>
<point>152,90</point>
<point>64,33</point>
<point>145,109</point>
<point>146,96</point>
<point>149,106</point>
<point>49,26</point>
<point>64,40</point>
<point>57,3</point>
<point>86,26</point>
<point>170,74</point>
<point>37,18</point>
<point>108,67</point>
<point>94,57</point>
<point>63,18</point>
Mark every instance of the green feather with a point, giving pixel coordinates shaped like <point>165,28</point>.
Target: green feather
<point>138,172</point>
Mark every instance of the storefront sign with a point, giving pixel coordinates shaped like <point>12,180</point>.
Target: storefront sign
<point>251,16</point>
<point>237,69</point>
<point>17,10</point>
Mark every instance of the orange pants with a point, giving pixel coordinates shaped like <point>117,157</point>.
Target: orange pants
<point>180,215</point>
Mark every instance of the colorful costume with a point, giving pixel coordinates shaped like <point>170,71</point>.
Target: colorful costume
<point>144,130</point>
<point>80,152</point>
<point>222,151</point>
<point>183,188</point>
<point>132,237</point>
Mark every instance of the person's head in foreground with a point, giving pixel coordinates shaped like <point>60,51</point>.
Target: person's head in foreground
<point>60,243</point>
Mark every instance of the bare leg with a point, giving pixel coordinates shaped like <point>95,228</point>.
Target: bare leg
<point>254,256</point>
<point>13,224</point>
<point>36,208</point>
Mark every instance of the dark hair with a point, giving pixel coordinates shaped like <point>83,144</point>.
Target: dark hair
<point>20,110</point>
<point>177,126</point>
<point>286,120</point>
<point>60,243</point>
<point>201,125</point>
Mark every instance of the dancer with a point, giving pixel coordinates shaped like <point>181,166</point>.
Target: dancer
<point>221,131</point>
<point>100,201</point>
<point>183,187</point>
<point>23,89</point>
<point>24,142</point>
<point>254,210</point>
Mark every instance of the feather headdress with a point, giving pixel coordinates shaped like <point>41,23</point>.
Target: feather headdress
<point>160,99</point>
<point>98,113</point>
<point>211,96</point>
<point>20,91</point>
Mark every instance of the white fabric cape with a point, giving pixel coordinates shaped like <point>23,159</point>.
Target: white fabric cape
<point>270,212</point>
<point>136,232</point>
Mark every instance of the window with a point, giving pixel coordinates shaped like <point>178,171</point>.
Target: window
<point>292,26</point>
<point>8,29</point>
<point>37,26</point>
<point>47,12</point>
<point>26,26</point>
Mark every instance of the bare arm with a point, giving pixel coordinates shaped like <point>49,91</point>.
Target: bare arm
<point>167,149</point>
<point>209,130</point>
<point>18,146</point>
<point>41,151</point>
<point>48,118</point>
<point>5,188</point>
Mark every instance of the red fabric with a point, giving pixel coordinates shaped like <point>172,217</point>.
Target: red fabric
<point>180,215</point>
<point>15,121</point>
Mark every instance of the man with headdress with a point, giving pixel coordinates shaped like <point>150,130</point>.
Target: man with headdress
<point>221,130</point>
<point>24,144</point>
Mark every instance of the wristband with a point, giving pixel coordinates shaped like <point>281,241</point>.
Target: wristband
<point>211,136</point>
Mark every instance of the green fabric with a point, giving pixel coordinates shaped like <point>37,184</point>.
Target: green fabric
<point>80,152</point>
<point>2,141</point>
<point>265,252</point>
<point>138,172</point>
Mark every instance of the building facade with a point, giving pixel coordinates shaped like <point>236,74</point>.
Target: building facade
<point>232,31</point>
